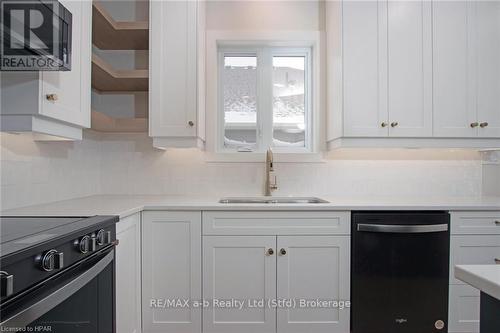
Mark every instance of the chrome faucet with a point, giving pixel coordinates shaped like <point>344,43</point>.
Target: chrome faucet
<point>270,186</point>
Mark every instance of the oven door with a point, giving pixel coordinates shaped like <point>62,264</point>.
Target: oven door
<point>79,299</point>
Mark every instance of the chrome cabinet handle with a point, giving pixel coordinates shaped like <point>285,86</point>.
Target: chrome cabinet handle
<point>283,252</point>
<point>394,124</point>
<point>270,252</point>
<point>474,125</point>
<point>52,97</point>
<point>190,123</point>
<point>384,124</point>
<point>483,125</point>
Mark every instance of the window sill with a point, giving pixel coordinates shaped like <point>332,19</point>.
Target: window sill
<point>261,157</point>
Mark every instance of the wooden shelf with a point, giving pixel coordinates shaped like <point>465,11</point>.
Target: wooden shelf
<point>105,78</point>
<point>104,123</point>
<point>108,34</point>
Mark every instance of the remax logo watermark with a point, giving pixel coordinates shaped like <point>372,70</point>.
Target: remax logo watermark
<point>34,34</point>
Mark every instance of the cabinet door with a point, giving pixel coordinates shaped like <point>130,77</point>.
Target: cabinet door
<point>128,275</point>
<point>464,307</point>
<point>365,68</point>
<point>313,267</point>
<point>173,68</point>
<point>241,268</point>
<point>171,257</point>
<point>72,87</point>
<point>487,37</point>
<point>473,250</point>
<point>453,86</point>
<point>410,68</point>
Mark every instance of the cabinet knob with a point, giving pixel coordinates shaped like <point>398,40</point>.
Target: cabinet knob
<point>483,125</point>
<point>52,97</point>
<point>497,261</point>
<point>270,252</point>
<point>190,123</point>
<point>384,124</point>
<point>474,125</point>
<point>497,223</point>
<point>283,252</point>
<point>394,124</point>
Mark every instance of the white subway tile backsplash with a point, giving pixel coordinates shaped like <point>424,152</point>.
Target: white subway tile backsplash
<point>33,173</point>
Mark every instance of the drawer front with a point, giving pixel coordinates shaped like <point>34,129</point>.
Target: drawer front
<point>475,223</point>
<point>464,309</point>
<point>276,223</point>
<point>473,250</point>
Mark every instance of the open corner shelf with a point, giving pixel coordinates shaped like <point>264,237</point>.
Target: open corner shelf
<point>104,123</point>
<point>105,78</point>
<point>108,34</point>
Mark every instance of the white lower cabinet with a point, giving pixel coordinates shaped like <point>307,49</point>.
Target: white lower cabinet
<point>464,309</point>
<point>254,268</point>
<point>128,275</point>
<point>239,268</point>
<point>171,271</point>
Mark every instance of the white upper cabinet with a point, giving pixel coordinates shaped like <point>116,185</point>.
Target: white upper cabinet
<point>176,31</point>
<point>487,46</point>
<point>56,104</point>
<point>365,66</point>
<point>413,73</point>
<point>409,57</point>
<point>454,110</point>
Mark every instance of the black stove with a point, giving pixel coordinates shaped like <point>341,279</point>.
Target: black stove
<point>43,264</point>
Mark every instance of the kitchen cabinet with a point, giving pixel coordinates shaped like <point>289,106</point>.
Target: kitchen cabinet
<point>475,240</point>
<point>171,271</point>
<point>413,74</point>
<point>176,73</point>
<point>466,39</point>
<point>128,275</point>
<point>463,309</point>
<point>387,60</point>
<point>241,268</point>
<point>53,104</point>
<point>273,255</point>
<point>310,268</point>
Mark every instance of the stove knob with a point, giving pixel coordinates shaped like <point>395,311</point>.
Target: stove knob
<point>101,237</point>
<point>6,284</point>
<point>84,244</point>
<point>93,243</point>
<point>108,237</point>
<point>52,260</point>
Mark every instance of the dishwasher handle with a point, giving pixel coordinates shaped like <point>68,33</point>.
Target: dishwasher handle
<point>402,229</point>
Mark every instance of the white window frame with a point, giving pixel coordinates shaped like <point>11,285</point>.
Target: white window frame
<point>264,92</point>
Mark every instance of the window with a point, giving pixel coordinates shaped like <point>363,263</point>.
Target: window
<point>264,99</point>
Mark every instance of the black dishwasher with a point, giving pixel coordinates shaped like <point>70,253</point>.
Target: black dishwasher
<point>399,271</point>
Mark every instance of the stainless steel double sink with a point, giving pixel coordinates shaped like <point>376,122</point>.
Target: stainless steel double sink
<point>272,200</point>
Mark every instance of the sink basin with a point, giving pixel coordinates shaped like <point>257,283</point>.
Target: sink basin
<point>272,200</point>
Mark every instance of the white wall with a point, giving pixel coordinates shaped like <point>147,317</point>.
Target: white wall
<point>131,166</point>
<point>491,173</point>
<point>34,173</point>
<point>265,15</point>
<point>39,172</point>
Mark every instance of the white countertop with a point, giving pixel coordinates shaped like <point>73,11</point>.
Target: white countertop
<point>483,277</point>
<point>124,205</point>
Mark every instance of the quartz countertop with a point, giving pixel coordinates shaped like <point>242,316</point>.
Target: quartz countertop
<point>124,205</point>
<point>483,277</point>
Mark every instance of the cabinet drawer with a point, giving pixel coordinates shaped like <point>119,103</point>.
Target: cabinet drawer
<point>475,223</point>
<point>464,309</point>
<point>276,223</point>
<point>473,250</point>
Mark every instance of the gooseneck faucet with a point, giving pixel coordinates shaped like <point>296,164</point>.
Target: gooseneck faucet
<point>270,185</point>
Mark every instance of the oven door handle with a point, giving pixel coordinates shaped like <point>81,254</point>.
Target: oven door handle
<point>402,229</point>
<point>38,309</point>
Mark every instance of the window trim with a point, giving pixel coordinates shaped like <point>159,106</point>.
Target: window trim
<point>264,91</point>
